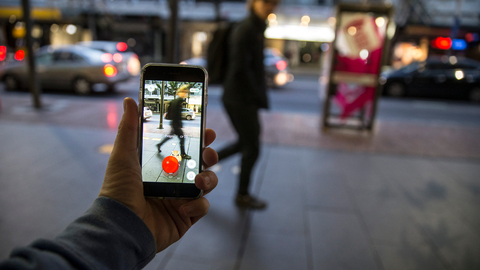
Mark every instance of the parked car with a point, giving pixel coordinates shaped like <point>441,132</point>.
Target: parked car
<point>277,72</point>
<point>276,68</point>
<point>188,114</point>
<point>116,51</point>
<point>437,77</point>
<point>67,67</point>
<point>147,113</point>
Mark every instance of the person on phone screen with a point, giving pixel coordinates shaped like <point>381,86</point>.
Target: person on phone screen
<point>122,229</point>
<point>245,92</point>
<point>175,114</point>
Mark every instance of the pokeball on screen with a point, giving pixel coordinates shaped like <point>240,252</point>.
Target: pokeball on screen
<point>170,164</point>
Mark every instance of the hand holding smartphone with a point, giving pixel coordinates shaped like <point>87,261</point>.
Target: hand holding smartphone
<point>171,139</point>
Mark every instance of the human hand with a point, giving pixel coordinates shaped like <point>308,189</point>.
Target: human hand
<point>168,220</point>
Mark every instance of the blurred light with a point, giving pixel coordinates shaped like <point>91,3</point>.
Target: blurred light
<point>290,77</point>
<point>325,47</point>
<point>459,44</point>
<point>452,59</point>
<point>71,29</point>
<point>272,17</point>
<point>19,55</point>
<point>122,46</point>
<point>201,36</point>
<point>469,37</point>
<point>37,32</point>
<point>112,115</point>
<point>332,21</point>
<point>352,30</point>
<point>281,65</point>
<point>54,28</point>
<point>305,19</point>
<point>183,63</point>
<point>307,57</point>
<point>3,52</point>
<point>391,29</point>
<point>442,43</point>
<point>109,70</point>
<point>301,33</point>
<point>131,42</point>
<point>281,79</point>
<point>272,23</point>
<point>133,65</point>
<point>19,30</point>
<point>459,74</point>
<point>12,19</point>
<point>106,57</point>
<point>364,54</point>
<point>380,21</point>
<point>117,58</point>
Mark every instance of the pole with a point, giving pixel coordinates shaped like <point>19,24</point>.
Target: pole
<point>172,48</point>
<point>32,79</point>
<point>162,92</point>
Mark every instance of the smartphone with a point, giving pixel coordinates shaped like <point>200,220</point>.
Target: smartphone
<point>172,111</point>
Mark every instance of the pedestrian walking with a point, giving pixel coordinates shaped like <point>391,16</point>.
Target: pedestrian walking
<point>175,113</point>
<point>245,93</point>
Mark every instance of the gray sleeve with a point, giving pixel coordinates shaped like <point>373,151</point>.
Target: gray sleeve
<point>108,236</point>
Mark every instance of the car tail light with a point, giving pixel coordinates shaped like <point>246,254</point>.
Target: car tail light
<point>117,58</point>
<point>106,57</point>
<point>122,46</point>
<point>281,65</point>
<point>3,52</point>
<point>19,55</point>
<point>110,70</point>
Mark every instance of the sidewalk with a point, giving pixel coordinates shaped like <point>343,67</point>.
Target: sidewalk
<point>405,198</point>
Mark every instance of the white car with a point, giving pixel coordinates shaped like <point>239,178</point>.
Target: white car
<point>147,113</point>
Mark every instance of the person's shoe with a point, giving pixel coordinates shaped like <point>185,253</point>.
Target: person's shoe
<point>248,201</point>
<point>158,147</point>
<point>185,156</point>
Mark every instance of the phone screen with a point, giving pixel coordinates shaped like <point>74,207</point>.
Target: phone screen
<point>172,129</point>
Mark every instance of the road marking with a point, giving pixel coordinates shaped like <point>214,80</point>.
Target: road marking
<point>105,149</point>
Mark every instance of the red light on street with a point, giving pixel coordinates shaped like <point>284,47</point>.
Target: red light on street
<point>106,57</point>
<point>469,37</point>
<point>3,53</point>
<point>122,46</point>
<point>117,58</point>
<point>109,70</point>
<point>170,164</point>
<point>281,65</point>
<point>19,55</point>
<point>442,43</point>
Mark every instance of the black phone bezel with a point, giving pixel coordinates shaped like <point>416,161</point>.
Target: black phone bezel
<point>171,72</point>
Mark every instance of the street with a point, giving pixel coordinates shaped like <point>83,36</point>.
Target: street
<point>302,97</point>
<point>402,197</point>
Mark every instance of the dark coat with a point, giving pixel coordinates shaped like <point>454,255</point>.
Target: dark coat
<point>244,84</point>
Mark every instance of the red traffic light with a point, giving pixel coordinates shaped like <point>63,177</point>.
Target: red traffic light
<point>442,43</point>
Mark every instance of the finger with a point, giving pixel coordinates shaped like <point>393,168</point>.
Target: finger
<point>210,157</point>
<point>196,209</point>
<point>209,136</point>
<point>206,181</point>
<point>126,140</point>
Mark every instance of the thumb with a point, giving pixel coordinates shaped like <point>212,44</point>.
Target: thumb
<point>126,140</point>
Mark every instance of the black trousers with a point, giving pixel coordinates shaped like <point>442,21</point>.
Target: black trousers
<point>247,125</point>
<point>176,130</point>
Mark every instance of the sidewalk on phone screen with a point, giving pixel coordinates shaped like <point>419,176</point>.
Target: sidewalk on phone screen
<point>404,197</point>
